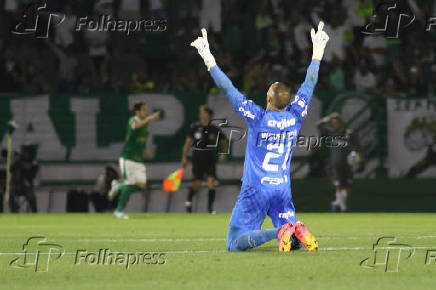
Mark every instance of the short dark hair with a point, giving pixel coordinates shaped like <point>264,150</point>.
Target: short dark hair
<point>281,95</point>
<point>137,107</point>
<point>208,110</point>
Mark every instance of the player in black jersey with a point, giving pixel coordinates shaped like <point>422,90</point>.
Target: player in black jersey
<point>204,138</point>
<point>342,159</point>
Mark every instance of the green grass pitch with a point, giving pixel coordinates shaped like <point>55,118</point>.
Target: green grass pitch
<point>195,253</point>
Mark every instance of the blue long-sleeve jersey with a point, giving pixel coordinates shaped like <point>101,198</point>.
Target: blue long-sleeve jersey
<point>271,134</point>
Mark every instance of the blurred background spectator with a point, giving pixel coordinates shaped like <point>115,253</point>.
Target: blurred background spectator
<point>24,168</point>
<point>256,41</point>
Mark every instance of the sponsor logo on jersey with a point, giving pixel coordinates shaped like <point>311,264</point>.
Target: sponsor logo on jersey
<point>286,215</point>
<point>273,180</point>
<point>304,113</point>
<point>246,113</point>
<point>284,123</point>
<point>300,102</point>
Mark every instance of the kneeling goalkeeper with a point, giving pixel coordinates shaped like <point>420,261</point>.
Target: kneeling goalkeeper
<point>266,188</point>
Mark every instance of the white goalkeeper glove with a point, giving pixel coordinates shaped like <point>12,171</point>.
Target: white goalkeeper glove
<point>319,41</point>
<point>202,46</point>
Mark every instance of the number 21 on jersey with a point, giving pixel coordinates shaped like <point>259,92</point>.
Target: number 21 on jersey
<point>280,147</point>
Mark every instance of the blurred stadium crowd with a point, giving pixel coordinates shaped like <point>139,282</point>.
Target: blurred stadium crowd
<point>255,42</point>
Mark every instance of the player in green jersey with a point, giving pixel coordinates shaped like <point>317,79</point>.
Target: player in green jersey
<point>131,162</point>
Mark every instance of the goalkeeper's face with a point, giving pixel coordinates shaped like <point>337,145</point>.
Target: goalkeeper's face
<point>278,97</point>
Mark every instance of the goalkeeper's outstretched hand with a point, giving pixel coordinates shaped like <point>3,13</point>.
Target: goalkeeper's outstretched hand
<point>202,46</point>
<point>319,41</point>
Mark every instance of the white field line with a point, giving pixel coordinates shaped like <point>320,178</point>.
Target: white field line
<point>167,240</point>
<point>328,249</point>
<point>164,238</point>
<point>195,251</point>
<point>373,237</point>
<point>426,237</point>
<point>12,235</point>
<point>166,252</point>
<point>182,240</point>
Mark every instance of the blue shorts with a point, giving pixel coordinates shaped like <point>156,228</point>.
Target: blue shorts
<point>252,207</point>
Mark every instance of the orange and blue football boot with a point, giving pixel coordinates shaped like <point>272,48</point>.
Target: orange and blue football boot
<point>285,237</point>
<point>305,237</point>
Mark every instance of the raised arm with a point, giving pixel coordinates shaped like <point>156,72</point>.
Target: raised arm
<point>241,105</point>
<point>304,94</point>
<point>143,122</point>
<point>226,86</point>
<point>221,80</point>
<point>307,87</point>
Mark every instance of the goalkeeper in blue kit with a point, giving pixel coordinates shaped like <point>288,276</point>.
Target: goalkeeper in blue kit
<point>266,188</point>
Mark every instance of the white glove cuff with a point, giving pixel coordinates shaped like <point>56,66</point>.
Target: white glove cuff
<point>318,54</point>
<point>209,61</point>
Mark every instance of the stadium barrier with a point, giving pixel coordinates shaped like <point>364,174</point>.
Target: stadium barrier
<point>309,195</point>
<point>78,135</point>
